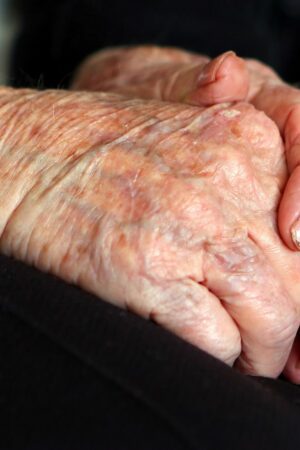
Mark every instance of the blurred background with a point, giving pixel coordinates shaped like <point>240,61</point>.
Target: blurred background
<point>56,35</point>
<point>8,28</point>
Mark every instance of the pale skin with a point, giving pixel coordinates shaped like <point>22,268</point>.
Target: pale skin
<point>176,75</point>
<point>163,208</point>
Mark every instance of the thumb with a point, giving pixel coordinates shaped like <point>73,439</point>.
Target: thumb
<point>289,209</point>
<point>223,79</point>
<point>292,368</point>
<point>282,104</point>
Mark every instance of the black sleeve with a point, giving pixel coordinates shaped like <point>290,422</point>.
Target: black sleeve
<point>77,373</point>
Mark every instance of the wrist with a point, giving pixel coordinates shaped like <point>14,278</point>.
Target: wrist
<point>13,174</point>
<point>45,133</point>
<point>40,131</point>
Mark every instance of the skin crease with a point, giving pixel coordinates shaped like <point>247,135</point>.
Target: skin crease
<point>177,75</point>
<point>174,75</point>
<point>162,208</point>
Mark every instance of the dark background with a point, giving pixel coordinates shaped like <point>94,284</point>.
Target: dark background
<point>57,34</point>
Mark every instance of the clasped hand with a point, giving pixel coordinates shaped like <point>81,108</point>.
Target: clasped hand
<point>163,208</point>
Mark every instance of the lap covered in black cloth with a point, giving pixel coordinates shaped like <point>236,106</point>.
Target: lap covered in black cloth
<point>78,373</point>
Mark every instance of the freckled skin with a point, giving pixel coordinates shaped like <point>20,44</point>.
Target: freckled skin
<point>165,209</point>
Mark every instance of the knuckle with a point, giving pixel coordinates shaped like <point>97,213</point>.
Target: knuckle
<point>229,347</point>
<point>281,326</point>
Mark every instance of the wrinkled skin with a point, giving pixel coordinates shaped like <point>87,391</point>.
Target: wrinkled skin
<point>176,75</point>
<point>165,209</point>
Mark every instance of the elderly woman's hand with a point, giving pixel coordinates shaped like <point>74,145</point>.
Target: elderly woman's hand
<point>165,209</point>
<point>175,75</point>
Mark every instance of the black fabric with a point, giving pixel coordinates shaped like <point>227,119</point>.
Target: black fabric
<point>56,35</point>
<point>78,373</point>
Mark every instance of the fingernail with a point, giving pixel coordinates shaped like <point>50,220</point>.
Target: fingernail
<point>210,71</point>
<point>295,233</point>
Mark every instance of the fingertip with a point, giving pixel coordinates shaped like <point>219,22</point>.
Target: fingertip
<point>224,79</point>
<point>231,64</point>
<point>215,69</point>
<point>289,212</point>
<point>232,79</point>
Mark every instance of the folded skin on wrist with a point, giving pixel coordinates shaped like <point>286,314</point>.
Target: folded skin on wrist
<point>41,132</point>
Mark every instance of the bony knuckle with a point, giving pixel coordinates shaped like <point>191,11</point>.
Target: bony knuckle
<point>281,329</point>
<point>230,348</point>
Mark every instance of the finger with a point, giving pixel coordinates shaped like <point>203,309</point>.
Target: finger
<point>281,103</point>
<point>292,367</point>
<point>289,212</point>
<point>190,311</point>
<point>242,277</point>
<point>289,209</point>
<point>223,79</point>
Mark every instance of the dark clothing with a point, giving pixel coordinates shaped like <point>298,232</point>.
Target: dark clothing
<point>79,374</point>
